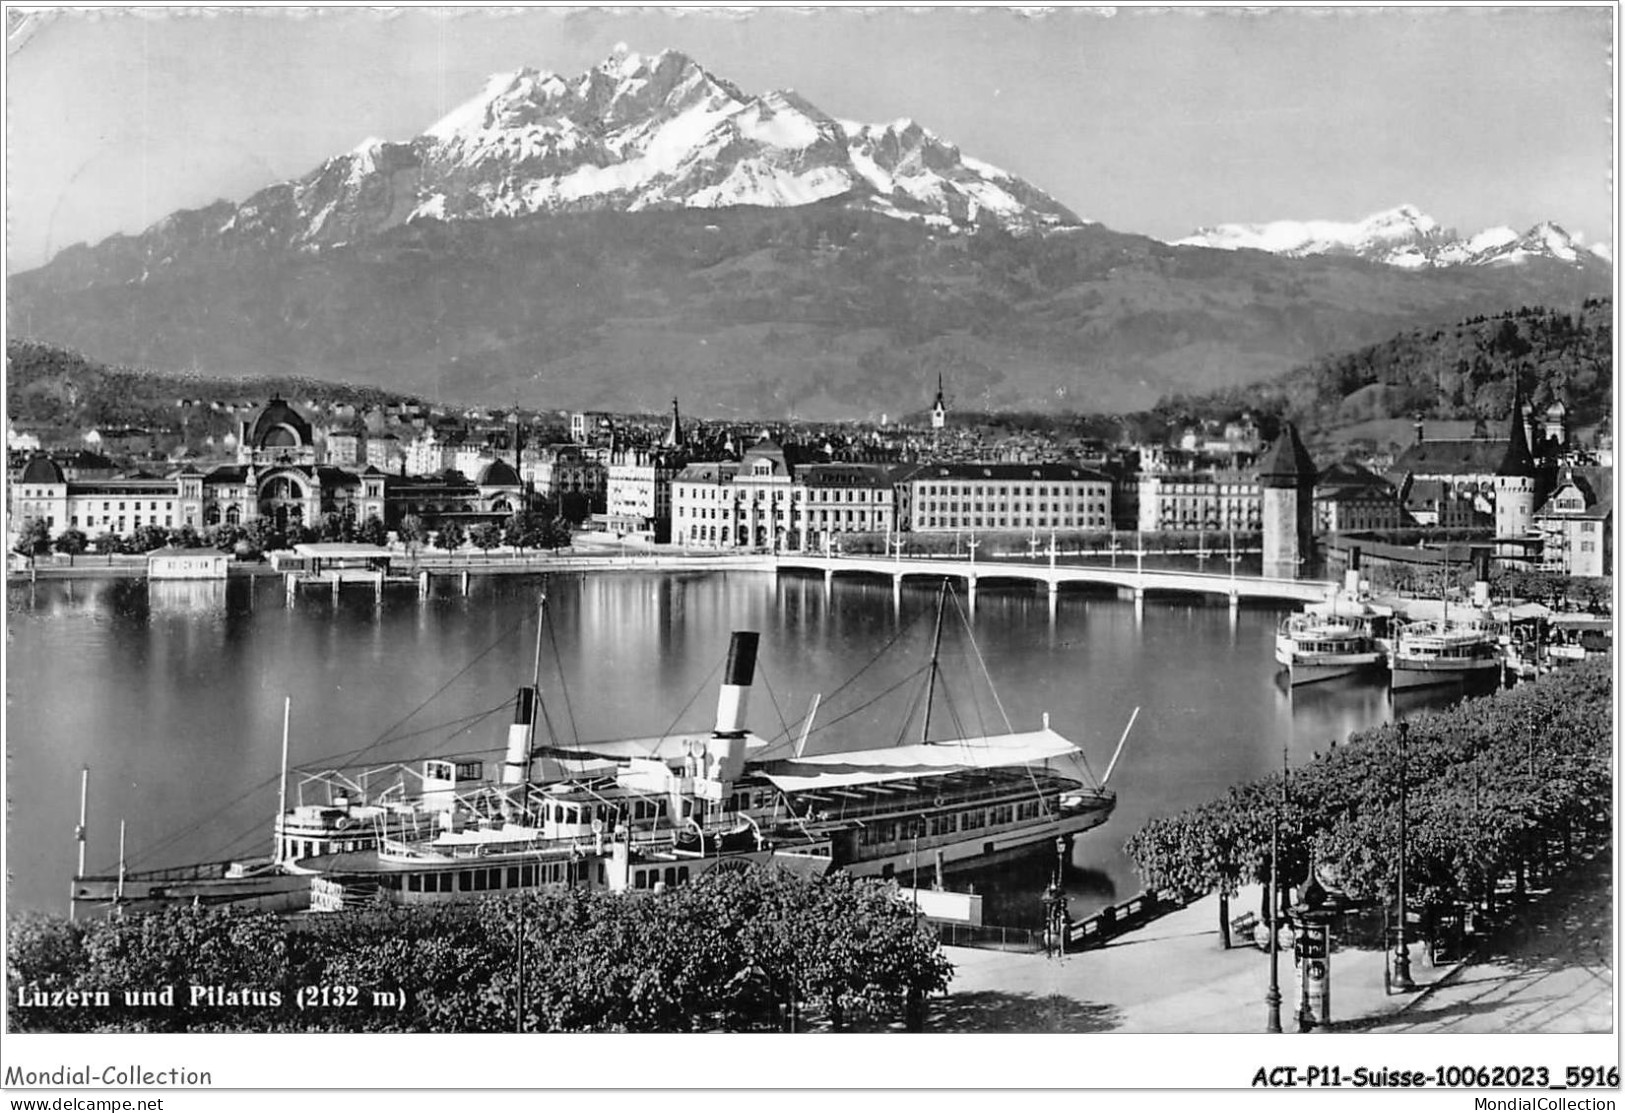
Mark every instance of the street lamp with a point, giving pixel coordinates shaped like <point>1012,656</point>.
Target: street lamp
<point>1402,951</point>
<point>1055,903</point>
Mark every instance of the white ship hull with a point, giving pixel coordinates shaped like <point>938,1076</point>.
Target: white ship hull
<point>977,850</point>
<point>1425,672</point>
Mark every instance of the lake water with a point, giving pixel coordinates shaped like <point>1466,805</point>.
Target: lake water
<point>173,695</point>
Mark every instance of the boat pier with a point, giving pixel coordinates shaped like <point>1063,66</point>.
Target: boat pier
<point>332,565</point>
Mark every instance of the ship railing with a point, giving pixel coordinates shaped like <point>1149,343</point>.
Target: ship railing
<point>1049,784</point>
<point>197,871</point>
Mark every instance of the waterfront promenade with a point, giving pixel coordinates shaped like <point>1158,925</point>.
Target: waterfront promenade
<point>1549,968</point>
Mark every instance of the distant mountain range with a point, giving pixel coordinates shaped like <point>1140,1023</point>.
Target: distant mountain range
<point>1402,237</point>
<point>646,228</point>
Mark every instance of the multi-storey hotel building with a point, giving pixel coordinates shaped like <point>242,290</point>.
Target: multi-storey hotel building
<point>1220,500</point>
<point>765,502</point>
<point>954,497</point>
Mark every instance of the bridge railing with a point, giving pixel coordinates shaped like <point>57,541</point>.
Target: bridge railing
<point>1038,569</point>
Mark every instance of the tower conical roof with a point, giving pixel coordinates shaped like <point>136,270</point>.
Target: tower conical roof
<point>1518,461</point>
<point>1286,463</point>
<point>674,432</point>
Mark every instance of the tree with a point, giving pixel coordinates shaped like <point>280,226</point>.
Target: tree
<point>224,537</point>
<point>264,536</point>
<point>557,534</point>
<point>34,538</point>
<point>1492,783</point>
<point>185,537</point>
<point>452,536</point>
<point>331,526</point>
<point>373,531</point>
<point>71,542</point>
<point>524,530</point>
<point>412,533</point>
<point>485,536</point>
<point>109,542</point>
<point>574,506</point>
<point>148,538</point>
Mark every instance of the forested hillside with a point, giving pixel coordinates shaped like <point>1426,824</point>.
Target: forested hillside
<point>1462,372</point>
<point>49,386</point>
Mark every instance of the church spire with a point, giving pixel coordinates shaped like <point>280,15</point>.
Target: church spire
<point>674,433</point>
<point>1518,460</point>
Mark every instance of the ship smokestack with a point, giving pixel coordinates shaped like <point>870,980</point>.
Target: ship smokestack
<point>1481,577</point>
<point>1351,578</point>
<point>734,698</point>
<point>516,766</point>
<point>727,748</point>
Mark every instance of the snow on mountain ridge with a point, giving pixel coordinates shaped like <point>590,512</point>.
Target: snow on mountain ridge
<point>1403,237</point>
<point>640,132</point>
<point>1403,224</point>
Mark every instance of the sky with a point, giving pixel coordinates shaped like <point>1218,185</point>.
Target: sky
<point>1149,120</point>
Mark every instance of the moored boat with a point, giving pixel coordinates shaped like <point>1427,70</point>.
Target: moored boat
<point>1313,647</point>
<point>1460,652</point>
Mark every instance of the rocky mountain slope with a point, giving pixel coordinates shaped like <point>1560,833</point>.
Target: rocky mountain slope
<point>629,135</point>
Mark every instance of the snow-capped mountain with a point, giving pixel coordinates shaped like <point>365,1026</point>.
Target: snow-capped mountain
<point>637,133</point>
<point>1402,237</point>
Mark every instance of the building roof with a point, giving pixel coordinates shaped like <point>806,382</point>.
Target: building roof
<point>330,550</point>
<point>1286,463</point>
<point>1384,493</point>
<point>1478,456</point>
<point>1011,472</point>
<point>230,473</point>
<point>710,471</point>
<point>847,475</point>
<point>1599,499</point>
<point>674,432</point>
<point>42,470</point>
<point>329,476</point>
<point>1431,492</point>
<point>280,426</point>
<point>498,473</point>
<point>1518,461</point>
<point>170,551</point>
<point>1346,474</point>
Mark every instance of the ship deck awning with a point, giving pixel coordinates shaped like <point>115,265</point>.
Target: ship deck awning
<point>826,772</point>
<point>1522,612</point>
<point>669,747</point>
<point>1583,622</point>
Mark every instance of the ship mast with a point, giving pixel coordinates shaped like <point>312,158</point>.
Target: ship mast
<point>931,678</point>
<point>282,784</point>
<point>79,837</point>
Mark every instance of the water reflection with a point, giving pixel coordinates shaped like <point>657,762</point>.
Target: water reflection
<point>175,698</point>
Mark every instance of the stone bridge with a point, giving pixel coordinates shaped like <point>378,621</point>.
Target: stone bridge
<point>1131,582</point>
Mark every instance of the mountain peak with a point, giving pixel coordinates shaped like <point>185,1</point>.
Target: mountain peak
<point>640,131</point>
<point>1403,236</point>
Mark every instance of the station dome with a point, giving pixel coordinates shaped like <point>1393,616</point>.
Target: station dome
<point>498,473</point>
<point>281,426</point>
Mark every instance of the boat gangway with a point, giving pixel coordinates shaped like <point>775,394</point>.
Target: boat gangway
<point>1132,582</point>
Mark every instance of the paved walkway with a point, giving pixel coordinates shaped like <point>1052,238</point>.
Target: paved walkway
<point>1553,971</point>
